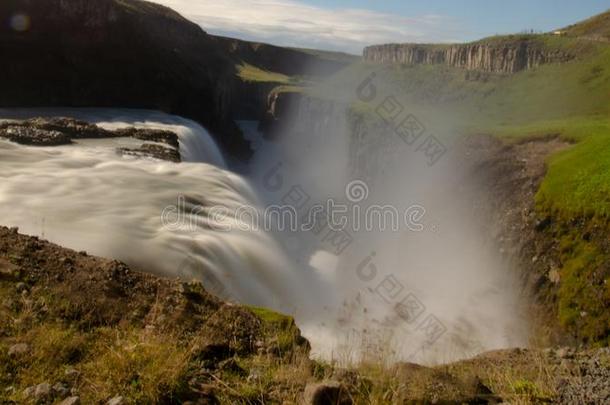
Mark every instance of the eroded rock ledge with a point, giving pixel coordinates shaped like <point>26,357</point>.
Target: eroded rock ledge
<point>157,144</point>
<point>507,56</point>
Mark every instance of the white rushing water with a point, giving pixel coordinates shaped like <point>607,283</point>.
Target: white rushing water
<point>196,145</point>
<point>87,197</point>
<point>180,220</point>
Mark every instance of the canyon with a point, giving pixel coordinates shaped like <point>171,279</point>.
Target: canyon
<point>498,292</point>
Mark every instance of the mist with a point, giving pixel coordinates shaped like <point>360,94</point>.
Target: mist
<point>424,285</point>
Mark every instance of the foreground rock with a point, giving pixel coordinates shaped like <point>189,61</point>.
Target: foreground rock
<point>325,393</point>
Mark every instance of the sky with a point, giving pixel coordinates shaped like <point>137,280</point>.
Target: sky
<point>349,25</point>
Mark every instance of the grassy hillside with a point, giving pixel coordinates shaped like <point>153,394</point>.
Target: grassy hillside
<point>249,73</point>
<point>597,27</point>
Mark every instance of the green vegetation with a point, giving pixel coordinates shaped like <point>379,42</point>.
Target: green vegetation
<point>578,181</point>
<point>145,367</point>
<point>250,73</point>
<point>594,27</point>
<point>584,294</point>
<point>281,330</point>
<point>284,84</point>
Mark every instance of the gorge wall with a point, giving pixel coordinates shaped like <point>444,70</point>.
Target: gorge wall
<point>495,56</point>
<point>136,54</point>
<point>108,53</point>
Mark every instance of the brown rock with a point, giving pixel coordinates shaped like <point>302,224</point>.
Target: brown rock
<point>18,349</point>
<point>326,393</point>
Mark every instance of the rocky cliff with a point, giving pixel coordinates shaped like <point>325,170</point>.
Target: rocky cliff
<point>503,55</point>
<point>135,54</point>
<point>111,53</point>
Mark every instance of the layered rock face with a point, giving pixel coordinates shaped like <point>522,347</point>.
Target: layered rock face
<point>494,57</point>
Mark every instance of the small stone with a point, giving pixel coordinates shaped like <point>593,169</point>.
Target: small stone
<point>28,392</point>
<point>61,389</point>
<point>71,373</point>
<point>41,390</point>
<point>18,349</point>
<point>564,353</point>
<point>118,400</point>
<point>329,392</point>
<point>70,401</point>
<point>7,269</point>
<point>21,287</point>
<point>255,374</point>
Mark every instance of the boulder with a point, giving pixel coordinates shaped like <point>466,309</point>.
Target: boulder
<point>38,392</point>
<point>327,393</point>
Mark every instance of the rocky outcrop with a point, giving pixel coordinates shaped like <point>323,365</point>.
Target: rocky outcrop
<point>299,113</point>
<point>496,56</point>
<point>157,144</point>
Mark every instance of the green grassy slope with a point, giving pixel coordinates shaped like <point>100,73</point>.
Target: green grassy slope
<point>597,27</point>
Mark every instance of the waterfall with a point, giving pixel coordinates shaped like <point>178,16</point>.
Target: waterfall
<point>383,295</point>
<point>157,216</point>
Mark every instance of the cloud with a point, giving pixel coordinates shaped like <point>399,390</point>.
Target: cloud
<point>293,23</point>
